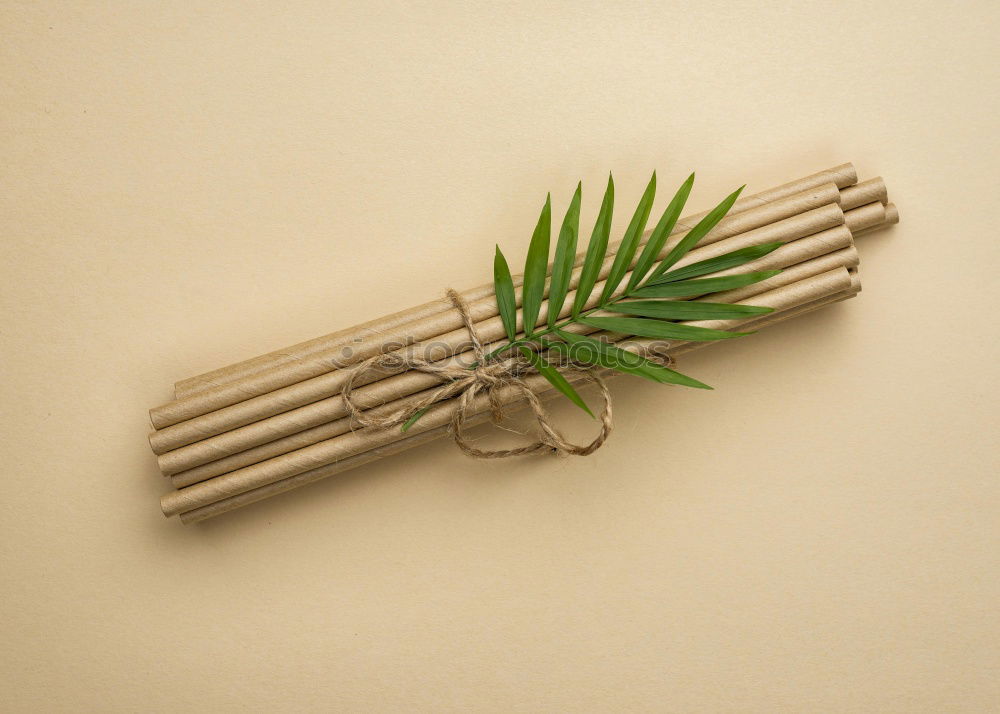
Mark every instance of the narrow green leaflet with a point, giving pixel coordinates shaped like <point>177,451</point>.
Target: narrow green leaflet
<point>555,377</point>
<point>596,250</point>
<point>660,234</point>
<point>536,267</point>
<point>687,310</point>
<point>714,265</point>
<point>630,243</point>
<point>697,233</point>
<point>414,419</point>
<point>658,329</point>
<point>562,265</point>
<point>503,285</point>
<point>594,351</point>
<point>690,288</point>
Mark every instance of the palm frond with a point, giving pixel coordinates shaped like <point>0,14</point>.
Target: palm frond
<point>647,305</point>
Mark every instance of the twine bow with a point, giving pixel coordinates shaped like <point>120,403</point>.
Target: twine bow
<point>492,376</point>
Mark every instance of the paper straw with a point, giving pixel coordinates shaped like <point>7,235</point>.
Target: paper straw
<point>868,191</point>
<point>304,479</point>
<point>336,423</point>
<point>446,343</point>
<point>867,216</point>
<point>229,503</point>
<point>357,442</point>
<point>323,419</point>
<point>324,362</point>
<point>843,175</point>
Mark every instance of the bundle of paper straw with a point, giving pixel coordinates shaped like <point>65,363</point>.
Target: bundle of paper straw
<point>276,422</point>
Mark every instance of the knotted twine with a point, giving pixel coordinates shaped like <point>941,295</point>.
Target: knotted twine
<point>490,375</point>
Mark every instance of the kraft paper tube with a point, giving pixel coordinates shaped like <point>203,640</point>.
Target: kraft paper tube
<point>488,323</point>
<point>323,410</point>
<point>335,423</point>
<point>324,419</point>
<point>867,216</point>
<point>843,176</point>
<point>304,479</point>
<point>868,191</point>
<point>215,501</point>
<point>891,214</point>
<point>217,508</point>
<point>324,362</point>
<point>409,442</point>
<point>781,315</point>
<point>357,442</point>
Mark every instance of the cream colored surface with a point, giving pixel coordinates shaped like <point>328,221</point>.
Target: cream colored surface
<point>189,184</point>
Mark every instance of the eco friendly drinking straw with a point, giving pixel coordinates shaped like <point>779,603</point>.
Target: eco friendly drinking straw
<point>484,313</point>
<point>304,479</point>
<point>268,444</point>
<point>324,362</point>
<point>351,444</point>
<point>323,419</point>
<point>843,175</point>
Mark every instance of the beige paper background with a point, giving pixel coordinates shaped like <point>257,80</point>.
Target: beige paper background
<point>187,184</point>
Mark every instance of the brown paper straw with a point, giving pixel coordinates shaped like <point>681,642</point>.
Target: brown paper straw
<point>446,343</point>
<point>843,258</point>
<point>865,192</point>
<point>304,479</point>
<point>353,443</point>
<point>231,502</point>
<point>867,216</point>
<point>200,465</point>
<point>843,176</point>
<point>323,419</point>
<point>324,362</point>
<point>332,407</point>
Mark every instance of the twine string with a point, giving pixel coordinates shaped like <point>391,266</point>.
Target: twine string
<point>491,376</point>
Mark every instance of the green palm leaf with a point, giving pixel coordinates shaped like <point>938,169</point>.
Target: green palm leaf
<point>554,377</point>
<point>660,234</point>
<point>646,318</point>
<point>562,265</point>
<point>687,310</point>
<point>629,244</point>
<point>503,285</point>
<point>593,351</point>
<point>658,329</point>
<point>694,235</point>
<point>714,265</point>
<point>688,288</point>
<point>536,267</point>
<point>596,249</point>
